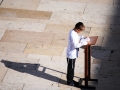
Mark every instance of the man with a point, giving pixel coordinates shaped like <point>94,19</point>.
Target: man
<point>74,43</point>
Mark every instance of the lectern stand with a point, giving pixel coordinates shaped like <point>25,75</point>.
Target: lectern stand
<point>88,64</point>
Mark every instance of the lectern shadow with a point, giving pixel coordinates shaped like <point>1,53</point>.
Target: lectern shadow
<point>29,68</point>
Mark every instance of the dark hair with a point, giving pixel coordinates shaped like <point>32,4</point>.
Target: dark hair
<point>79,26</point>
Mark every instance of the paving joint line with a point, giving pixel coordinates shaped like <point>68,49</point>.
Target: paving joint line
<point>1,2</point>
<point>23,86</point>
<point>5,75</point>
<point>84,8</point>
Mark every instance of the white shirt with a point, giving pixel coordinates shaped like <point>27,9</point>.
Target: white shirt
<point>74,43</point>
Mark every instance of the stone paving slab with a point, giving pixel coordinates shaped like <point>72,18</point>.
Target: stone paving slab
<point>8,18</point>
<point>19,13</point>
<point>43,50</point>
<point>60,6</point>
<point>53,64</point>
<point>59,59</point>
<point>114,45</point>
<point>87,24</point>
<point>9,86</point>
<point>99,32</point>
<point>28,4</point>
<point>116,2</point>
<point>95,69</point>
<point>26,26</point>
<point>101,54</point>
<point>2,73</point>
<point>115,56</point>
<point>14,36</point>
<point>88,1</point>
<point>102,9</point>
<point>2,31</point>
<point>27,20</point>
<point>2,54</point>
<point>39,87</point>
<point>108,86</point>
<point>19,63</point>
<point>56,28</point>
<point>38,56</point>
<point>60,40</point>
<point>13,76</point>
<point>12,47</point>
<point>16,55</point>
<point>65,16</point>
<point>71,18</point>
<point>49,21</point>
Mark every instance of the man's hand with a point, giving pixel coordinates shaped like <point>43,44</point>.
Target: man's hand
<point>88,42</point>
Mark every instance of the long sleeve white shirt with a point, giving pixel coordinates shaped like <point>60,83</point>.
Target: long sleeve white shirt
<point>74,43</point>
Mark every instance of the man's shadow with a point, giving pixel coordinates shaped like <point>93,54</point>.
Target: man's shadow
<point>33,70</point>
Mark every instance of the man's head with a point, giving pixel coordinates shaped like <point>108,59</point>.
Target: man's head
<point>79,27</point>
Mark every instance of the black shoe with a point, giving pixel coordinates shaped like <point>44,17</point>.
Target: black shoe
<point>76,84</point>
<point>70,84</point>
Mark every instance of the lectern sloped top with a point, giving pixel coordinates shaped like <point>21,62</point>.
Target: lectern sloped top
<point>93,40</point>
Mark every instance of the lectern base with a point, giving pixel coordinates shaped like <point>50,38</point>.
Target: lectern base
<point>89,85</point>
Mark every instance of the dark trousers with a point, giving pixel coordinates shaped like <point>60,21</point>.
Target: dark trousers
<point>70,70</point>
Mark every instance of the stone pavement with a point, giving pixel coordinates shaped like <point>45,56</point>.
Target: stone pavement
<point>33,42</point>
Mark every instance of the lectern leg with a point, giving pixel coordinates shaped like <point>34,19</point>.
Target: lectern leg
<point>87,69</point>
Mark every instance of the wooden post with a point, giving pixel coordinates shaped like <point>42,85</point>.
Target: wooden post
<point>88,63</point>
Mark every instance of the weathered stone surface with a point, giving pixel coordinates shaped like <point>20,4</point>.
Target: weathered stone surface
<point>27,37</point>
<point>101,54</point>
<point>9,86</point>
<point>19,13</point>
<point>64,52</point>
<point>27,20</point>
<point>60,6</point>
<point>60,40</point>
<point>14,76</point>
<point>87,1</point>
<point>28,4</point>
<point>2,54</point>
<point>26,26</point>
<point>49,21</point>
<point>16,55</point>
<point>59,58</point>
<point>1,33</point>
<point>12,47</point>
<point>8,18</point>
<point>43,49</point>
<point>108,86</point>
<point>115,56</point>
<point>54,65</point>
<point>116,2</point>
<point>56,28</point>
<point>38,56</point>
<point>102,9</point>
<point>111,42</point>
<point>109,68</point>
<point>95,69</point>
<point>39,87</point>
<point>2,73</point>
<point>98,32</point>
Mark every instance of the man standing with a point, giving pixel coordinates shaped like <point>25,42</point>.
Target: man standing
<point>74,43</point>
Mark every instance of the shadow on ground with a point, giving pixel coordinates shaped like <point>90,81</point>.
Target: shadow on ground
<point>32,69</point>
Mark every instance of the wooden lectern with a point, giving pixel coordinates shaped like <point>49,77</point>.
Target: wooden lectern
<point>87,78</point>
